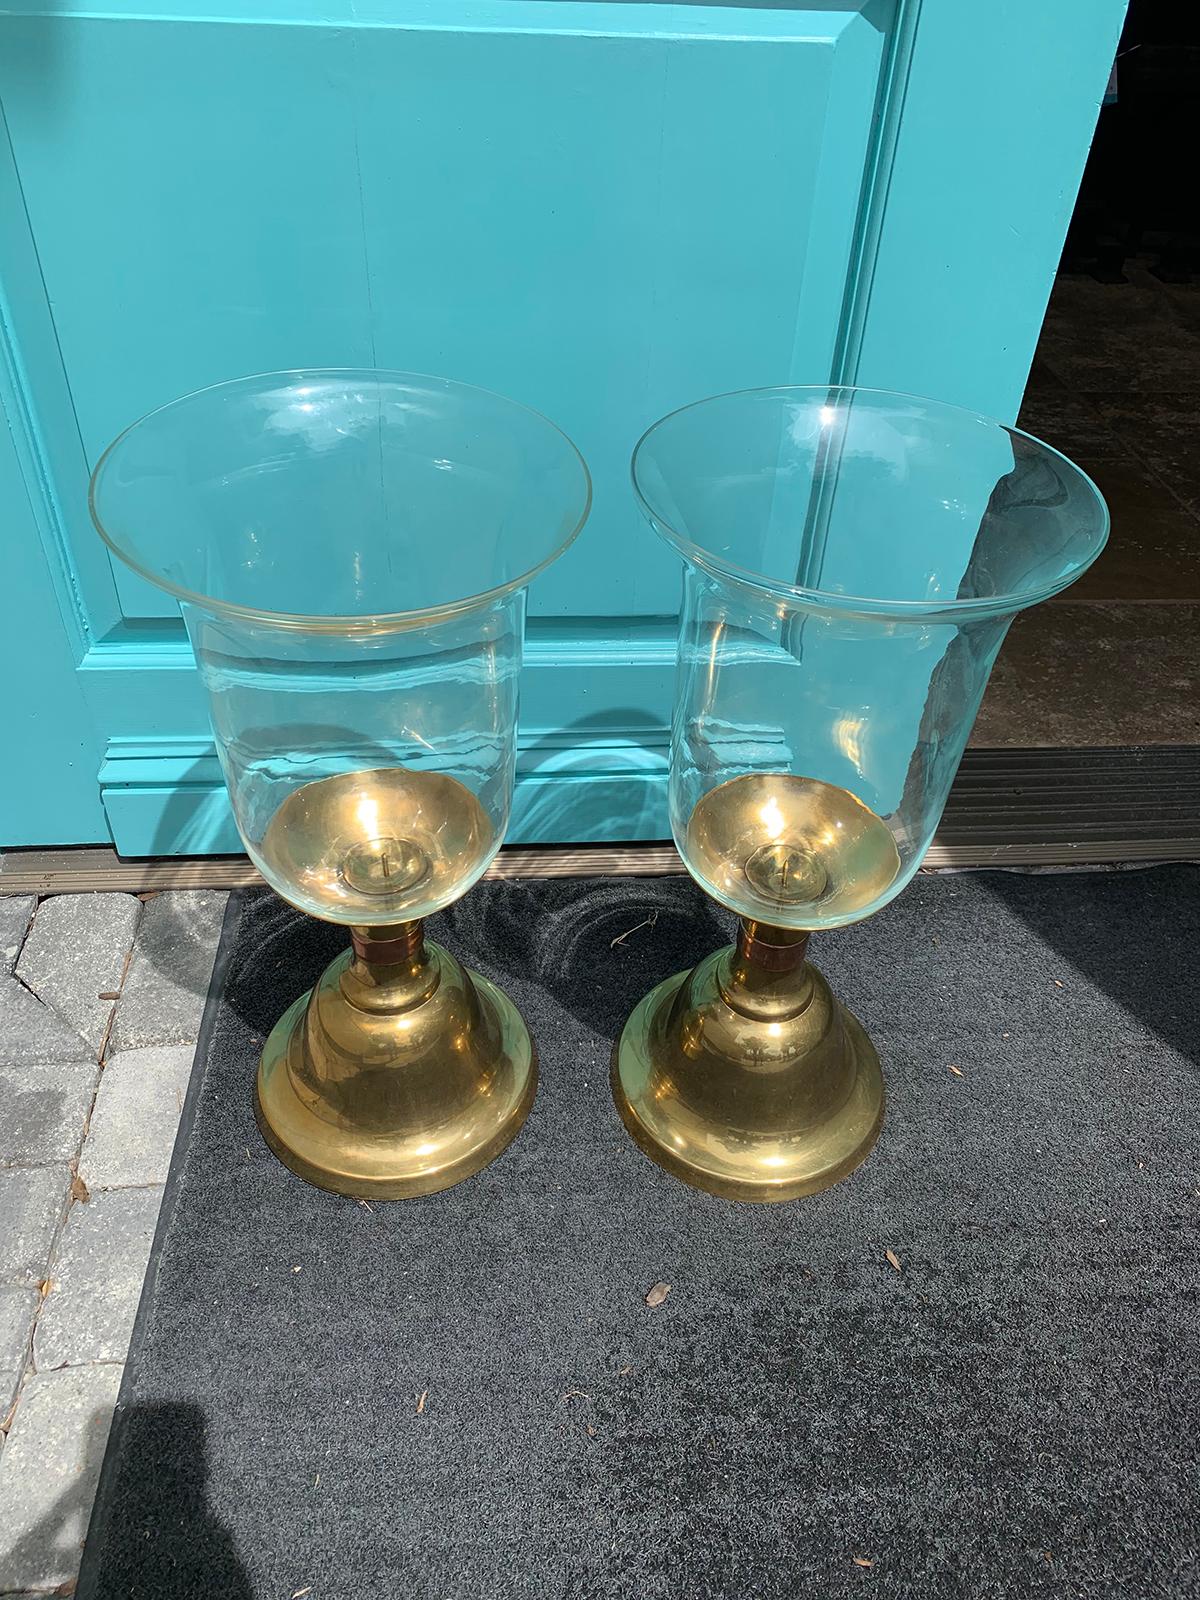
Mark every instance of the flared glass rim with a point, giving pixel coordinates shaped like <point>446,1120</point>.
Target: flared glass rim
<point>870,605</point>
<point>360,622</point>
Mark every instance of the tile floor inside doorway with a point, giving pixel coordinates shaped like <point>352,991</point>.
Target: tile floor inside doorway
<point>1116,660</point>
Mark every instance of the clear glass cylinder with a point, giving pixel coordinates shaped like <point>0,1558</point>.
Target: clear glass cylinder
<point>853,561</point>
<point>350,551</point>
<point>418,725</point>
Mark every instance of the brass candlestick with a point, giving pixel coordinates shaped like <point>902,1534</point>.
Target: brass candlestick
<point>746,1077</point>
<point>400,1072</point>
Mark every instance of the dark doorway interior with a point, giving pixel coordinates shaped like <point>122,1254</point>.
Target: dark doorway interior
<point>1116,386</point>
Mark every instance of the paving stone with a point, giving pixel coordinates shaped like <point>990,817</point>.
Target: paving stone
<point>43,1109</point>
<point>32,1201</point>
<point>16,912</point>
<point>167,982</point>
<point>48,1474</point>
<point>30,1031</point>
<point>136,1116</point>
<point>75,952</point>
<point>18,1308</point>
<point>96,1279</point>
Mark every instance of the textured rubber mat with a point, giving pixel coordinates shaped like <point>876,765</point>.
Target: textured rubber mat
<point>969,1370</point>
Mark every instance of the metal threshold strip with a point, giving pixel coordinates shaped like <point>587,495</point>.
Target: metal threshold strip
<point>1008,808</point>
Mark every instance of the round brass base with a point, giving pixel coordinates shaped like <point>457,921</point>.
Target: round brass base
<point>759,1090</point>
<point>387,1081</point>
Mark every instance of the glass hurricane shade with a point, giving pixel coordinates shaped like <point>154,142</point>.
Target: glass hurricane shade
<point>350,551</point>
<point>853,560</point>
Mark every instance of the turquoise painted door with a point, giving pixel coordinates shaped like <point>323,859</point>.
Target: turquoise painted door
<point>602,209</point>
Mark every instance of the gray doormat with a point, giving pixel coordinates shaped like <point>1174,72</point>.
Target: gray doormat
<point>468,1395</point>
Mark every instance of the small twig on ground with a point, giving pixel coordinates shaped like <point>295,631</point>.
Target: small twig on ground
<point>646,922</point>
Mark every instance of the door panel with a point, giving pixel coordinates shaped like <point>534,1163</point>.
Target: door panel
<point>561,217</point>
<point>602,209</point>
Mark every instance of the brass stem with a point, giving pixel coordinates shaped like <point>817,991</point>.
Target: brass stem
<point>389,946</point>
<point>772,949</point>
<point>392,969</point>
<point>765,976</point>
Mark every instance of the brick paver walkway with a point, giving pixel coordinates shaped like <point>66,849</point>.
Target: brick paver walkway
<point>101,997</point>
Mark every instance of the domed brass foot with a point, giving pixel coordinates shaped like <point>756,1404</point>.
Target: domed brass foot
<point>399,1074</point>
<point>746,1077</point>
